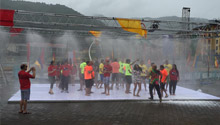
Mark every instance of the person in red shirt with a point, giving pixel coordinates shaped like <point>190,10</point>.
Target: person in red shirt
<point>115,73</point>
<point>163,79</point>
<point>107,72</point>
<point>174,78</point>
<point>51,75</point>
<point>89,76</point>
<point>25,85</point>
<point>66,71</point>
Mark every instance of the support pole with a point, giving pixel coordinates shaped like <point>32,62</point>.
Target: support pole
<point>90,50</point>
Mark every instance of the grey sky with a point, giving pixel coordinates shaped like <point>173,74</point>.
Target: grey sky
<point>142,8</point>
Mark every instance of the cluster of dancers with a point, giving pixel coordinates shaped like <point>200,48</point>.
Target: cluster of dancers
<point>122,74</point>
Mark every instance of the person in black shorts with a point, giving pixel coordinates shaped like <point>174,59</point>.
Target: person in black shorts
<point>128,74</point>
<point>89,76</point>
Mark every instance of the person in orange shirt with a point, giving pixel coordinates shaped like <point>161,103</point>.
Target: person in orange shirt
<point>115,73</point>
<point>163,79</point>
<point>89,76</point>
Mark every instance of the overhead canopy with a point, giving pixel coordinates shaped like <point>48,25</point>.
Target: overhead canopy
<point>53,22</point>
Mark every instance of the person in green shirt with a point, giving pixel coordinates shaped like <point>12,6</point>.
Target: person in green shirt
<point>122,73</point>
<point>128,74</point>
<point>82,81</point>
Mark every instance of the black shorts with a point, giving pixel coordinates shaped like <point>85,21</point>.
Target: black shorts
<point>128,79</point>
<point>89,83</point>
<point>115,76</point>
<point>162,85</point>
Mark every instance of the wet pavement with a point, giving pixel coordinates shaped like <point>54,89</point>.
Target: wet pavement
<point>108,113</point>
<point>94,113</point>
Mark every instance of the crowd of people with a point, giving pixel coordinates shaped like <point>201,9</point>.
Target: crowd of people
<point>114,73</point>
<point>120,73</point>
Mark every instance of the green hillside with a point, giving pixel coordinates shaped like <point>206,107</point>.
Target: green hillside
<point>37,7</point>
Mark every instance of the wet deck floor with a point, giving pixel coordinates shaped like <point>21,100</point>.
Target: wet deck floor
<point>39,93</point>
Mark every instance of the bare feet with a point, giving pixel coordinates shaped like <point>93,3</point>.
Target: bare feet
<point>20,112</point>
<point>26,112</point>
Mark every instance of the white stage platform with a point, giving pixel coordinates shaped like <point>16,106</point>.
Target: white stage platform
<point>39,93</point>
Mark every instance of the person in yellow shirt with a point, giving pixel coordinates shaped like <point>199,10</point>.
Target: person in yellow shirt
<point>144,73</point>
<point>101,68</point>
<point>167,67</point>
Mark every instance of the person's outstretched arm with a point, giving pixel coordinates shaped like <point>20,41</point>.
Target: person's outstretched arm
<point>134,62</point>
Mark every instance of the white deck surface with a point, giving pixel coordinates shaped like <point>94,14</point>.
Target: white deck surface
<point>39,93</point>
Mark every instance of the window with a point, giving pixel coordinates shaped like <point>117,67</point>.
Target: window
<point>216,42</point>
<point>209,41</point>
<point>216,48</point>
